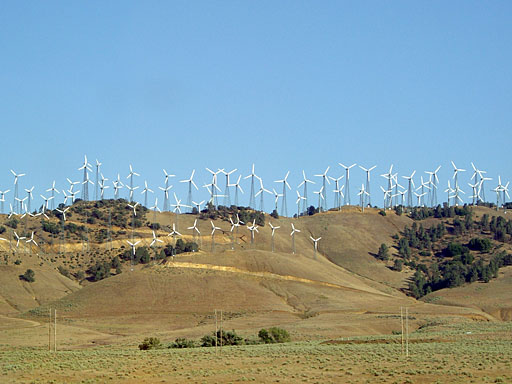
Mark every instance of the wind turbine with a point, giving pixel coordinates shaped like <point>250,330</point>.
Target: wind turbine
<point>130,176</point>
<point>389,176</point>
<point>155,208</point>
<point>227,195</point>
<point>2,198</point>
<point>321,197</point>
<point>276,198</point>
<point>213,196</point>
<point>252,198</point>
<point>198,205</point>
<point>347,182</point>
<point>410,188</point>
<point>214,228</point>
<point>336,190</point>
<point>45,205</point>
<point>260,193</point>
<point>368,202</point>
<point>253,228</point>
<point>305,182</point>
<point>449,190</point>
<point>324,188</point>
<point>16,179</point>
<point>433,181</point>
<point>419,196</point>
<point>273,231</point>
<point>284,205</point>
<point>475,196</point>
<point>315,241</point>
<point>292,234</point>
<point>130,194</point>
<point>31,240</point>
<point>387,198</point>
<point>52,189</point>
<point>118,184</point>
<point>456,183</point>
<point>133,245</point>
<point>191,183</point>
<point>237,187</point>
<point>195,230</point>
<point>155,240</point>
<point>85,189</point>
<point>98,165</point>
<point>103,186</point>
<point>166,188</point>
<point>145,193</point>
<point>174,233</point>
<point>362,193</point>
<point>422,186</point>
<point>63,220</point>
<point>18,238</point>
<point>177,207</point>
<point>299,199</point>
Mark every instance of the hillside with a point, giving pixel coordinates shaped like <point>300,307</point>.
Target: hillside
<point>345,290</point>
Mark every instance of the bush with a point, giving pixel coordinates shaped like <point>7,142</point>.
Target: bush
<point>383,253</point>
<point>150,343</point>
<point>274,335</point>
<point>100,271</point>
<point>382,212</point>
<point>29,276</point>
<point>479,244</point>
<point>50,227</point>
<point>223,338</point>
<point>398,265</point>
<point>63,271</point>
<point>181,342</point>
<point>12,222</point>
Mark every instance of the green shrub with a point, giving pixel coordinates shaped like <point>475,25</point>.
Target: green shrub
<point>63,271</point>
<point>12,222</point>
<point>223,338</point>
<point>382,212</point>
<point>181,342</point>
<point>479,244</point>
<point>274,335</point>
<point>29,276</point>
<point>150,343</point>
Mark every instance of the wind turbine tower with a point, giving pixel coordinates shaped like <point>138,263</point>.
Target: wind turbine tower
<point>190,182</point>
<point>367,197</point>
<point>324,188</point>
<point>410,188</point>
<point>456,183</point>
<point>17,209</point>
<point>305,182</point>
<point>347,183</point>
<point>166,190</point>
<point>98,165</point>
<point>130,176</point>
<point>227,194</point>
<point>284,205</point>
<point>85,188</point>
<point>252,199</point>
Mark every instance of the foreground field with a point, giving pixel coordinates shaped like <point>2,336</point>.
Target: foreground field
<point>476,352</point>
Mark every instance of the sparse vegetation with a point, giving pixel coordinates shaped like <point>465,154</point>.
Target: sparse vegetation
<point>29,276</point>
<point>150,343</point>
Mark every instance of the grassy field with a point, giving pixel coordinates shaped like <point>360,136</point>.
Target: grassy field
<point>473,352</point>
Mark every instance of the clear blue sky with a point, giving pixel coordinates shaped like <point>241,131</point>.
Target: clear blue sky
<point>288,85</point>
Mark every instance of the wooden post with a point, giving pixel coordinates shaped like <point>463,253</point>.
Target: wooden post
<point>402,324</point>
<point>407,331</point>
<point>221,331</point>
<point>50,332</point>
<point>55,329</point>
<point>215,331</point>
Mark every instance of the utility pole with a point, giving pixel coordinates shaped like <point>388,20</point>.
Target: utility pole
<point>55,329</point>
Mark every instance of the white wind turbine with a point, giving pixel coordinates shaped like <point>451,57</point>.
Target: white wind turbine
<point>237,188</point>
<point>299,199</point>
<point>315,241</point>
<point>131,191</point>
<point>449,190</point>
<point>419,197</point>
<point>321,197</point>
<point>85,189</point>
<point>191,183</point>
<point>434,182</point>
<point>166,188</point>
<point>174,233</point>
<point>213,196</point>
<point>130,176</point>
<point>475,196</point>
<point>214,228</point>
<point>292,234</point>
<point>252,198</point>
<point>273,231</point>
<point>63,220</point>
<point>16,179</point>
<point>422,186</point>
<point>155,240</point>
<point>118,184</point>
<point>195,230</point>
<point>155,209</point>
<point>389,176</point>
<point>284,205</point>
<point>305,182</point>
<point>325,178</point>
<point>103,186</point>
<point>52,189</point>
<point>456,183</point>
<point>145,193</point>
<point>260,193</point>
<point>410,188</point>
<point>2,198</point>
<point>227,194</point>
<point>31,240</point>
<point>253,228</point>
<point>276,198</point>
<point>368,201</point>
<point>362,197</point>
<point>347,182</point>
<point>98,165</point>
<point>18,239</point>
<point>387,199</point>
<point>133,246</point>
<point>198,205</point>
<point>233,226</point>
<point>336,190</point>
<point>177,207</point>
<point>45,205</point>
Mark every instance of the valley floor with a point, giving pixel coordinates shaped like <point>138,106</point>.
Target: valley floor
<point>469,352</point>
